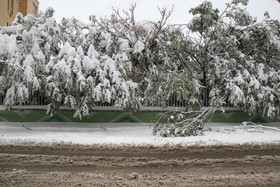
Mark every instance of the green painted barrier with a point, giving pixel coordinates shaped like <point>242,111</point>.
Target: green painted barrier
<point>118,117</point>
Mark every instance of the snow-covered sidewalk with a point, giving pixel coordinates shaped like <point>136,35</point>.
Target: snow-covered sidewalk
<point>130,134</point>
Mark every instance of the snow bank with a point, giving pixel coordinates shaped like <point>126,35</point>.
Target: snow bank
<point>127,134</point>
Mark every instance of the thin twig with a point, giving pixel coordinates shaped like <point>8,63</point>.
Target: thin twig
<point>26,127</point>
<point>252,125</point>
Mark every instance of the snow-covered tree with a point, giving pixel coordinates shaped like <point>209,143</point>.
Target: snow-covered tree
<point>253,78</point>
<point>78,78</point>
<point>73,31</point>
<point>227,56</point>
<point>234,58</point>
<point>167,77</point>
<point>49,34</point>
<point>238,57</point>
<point>73,64</point>
<point>145,44</point>
<point>20,73</point>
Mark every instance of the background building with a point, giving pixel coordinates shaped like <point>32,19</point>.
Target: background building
<point>10,8</point>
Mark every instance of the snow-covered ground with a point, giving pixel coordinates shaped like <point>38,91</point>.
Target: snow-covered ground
<point>131,134</point>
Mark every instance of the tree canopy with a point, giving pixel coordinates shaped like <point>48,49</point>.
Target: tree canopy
<point>221,58</point>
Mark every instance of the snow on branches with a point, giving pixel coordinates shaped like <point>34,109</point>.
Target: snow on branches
<point>181,124</point>
<point>226,58</point>
<point>237,57</point>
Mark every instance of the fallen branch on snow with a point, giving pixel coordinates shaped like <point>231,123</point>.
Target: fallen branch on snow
<point>180,125</point>
<point>252,127</point>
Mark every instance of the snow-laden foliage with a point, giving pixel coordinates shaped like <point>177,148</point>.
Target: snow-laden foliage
<point>22,58</point>
<point>226,58</point>
<point>238,58</point>
<point>233,58</point>
<point>146,44</point>
<point>66,62</point>
<point>79,79</point>
<point>162,85</point>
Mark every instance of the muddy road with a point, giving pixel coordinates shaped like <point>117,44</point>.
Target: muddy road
<point>77,165</point>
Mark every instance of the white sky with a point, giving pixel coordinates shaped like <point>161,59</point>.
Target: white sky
<point>147,9</point>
